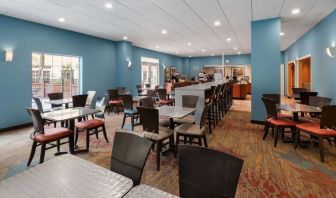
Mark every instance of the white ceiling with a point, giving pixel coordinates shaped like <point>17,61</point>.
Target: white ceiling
<point>185,21</point>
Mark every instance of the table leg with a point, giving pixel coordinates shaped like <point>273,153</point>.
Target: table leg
<point>171,123</point>
<point>296,116</point>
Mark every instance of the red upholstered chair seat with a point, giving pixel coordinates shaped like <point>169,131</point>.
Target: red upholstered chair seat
<point>286,116</point>
<point>281,122</point>
<point>52,134</point>
<point>309,120</point>
<point>115,102</point>
<point>314,128</point>
<point>165,101</point>
<point>88,124</point>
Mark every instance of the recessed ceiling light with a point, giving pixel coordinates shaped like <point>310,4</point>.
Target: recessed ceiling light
<point>228,39</point>
<point>125,38</point>
<point>212,54</point>
<point>164,31</point>
<point>296,11</point>
<point>235,48</point>
<point>176,52</point>
<point>239,52</point>
<point>157,47</point>
<point>108,5</point>
<point>190,56</point>
<point>281,33</point>
<point>217,23</point>
<point>189,43</point>
<point>62,20</point>
<point>203,50</point>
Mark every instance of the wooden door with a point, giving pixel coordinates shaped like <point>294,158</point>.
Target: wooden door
<point>305,73</point>
<point>290,79</point>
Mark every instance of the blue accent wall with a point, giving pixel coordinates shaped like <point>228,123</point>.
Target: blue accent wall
<point>196,63</point>
<point>98,63</point>
<point>314,43</point>
<point>266,60</point>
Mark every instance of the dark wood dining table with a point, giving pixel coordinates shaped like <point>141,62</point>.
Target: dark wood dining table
<point>297,108</point>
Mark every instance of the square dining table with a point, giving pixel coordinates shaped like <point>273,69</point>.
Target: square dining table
<point>174,112</point>
<point>144,191</point>
<point>297,108</point>
<point>66,176</point>
<point>65,102</point>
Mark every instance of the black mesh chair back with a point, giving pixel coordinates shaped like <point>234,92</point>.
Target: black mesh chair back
<point>205,172</point>
<point>318,101</point>
<point>147,102</point>
<point>149,119</point>
<point>270,106</point>
<point>113,94</point>
<point>189,101</point>
<point>304,97</point>
<point>129,155</point>
<point>55,96</point>
<point>275,97</point>
<point>37,120</point>
<point>208,94</point>
<point>328,117</point>
<point>162,94</point>
<point>101,103</point>
<point>90,98</point>
<point>79,100</point>
<point>127,101</point>
<point>204,115</point>
<point>214,93</point>
<point>38,104</point>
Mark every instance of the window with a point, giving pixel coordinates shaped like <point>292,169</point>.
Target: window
<point>55,73</point>
<point>150,71</point>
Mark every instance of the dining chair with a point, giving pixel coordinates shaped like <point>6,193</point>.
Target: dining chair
<point>139,89</point>
<point>147,86</point>
<point>279,123</point>
<point>275,97</point>
<point>79,100</point>
<point>114,100</point>
<point>129,155</point>
<point>318,101</point>
<point>152,94</point>
<point>92,127</point>
<point>205,172</point>
<point>304,96</point>
<point>121,90</point>
<point>188,101</point>
<point>296,92</point>
<point>164,97</point>
<point>43,137</point>
<point>194,131</point>
<point>100,104</point>
<point>148,103</point>
<point>325,129</point>
<point>129,111</point>
<point>40,108</point>
<point>149,119</point>
<point>55,96</point>
<point>90,98</point>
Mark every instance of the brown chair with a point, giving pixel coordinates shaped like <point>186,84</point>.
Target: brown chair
<point>92,127</point>
<point>272,119</point>
<point>324,130</point>
<point>297,91</point>
<point>275,97</point>
<point>164,97</point>
<point>129,155</point>
<point>114,101</point>
<point>43,137</point>
<point>148,103</point>
<point>318,101</point>
<point>139,89</point>
<point>147,86</point>
<point>90,98</point>
<point>149,119</point>
<point>79,100</point>
<point>304,97</point>
<point>205,172</point>
<point>188,101</point>
<point>55,96</point>
<point>129,111</point>
<point>194,131</point>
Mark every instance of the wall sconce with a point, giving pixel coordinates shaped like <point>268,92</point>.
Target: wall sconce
<point>331,51</point>
<point>8,54</point>
<point>129,62</point>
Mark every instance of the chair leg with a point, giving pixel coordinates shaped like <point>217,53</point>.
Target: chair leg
<point>71,144</point>
<point>177,142</point>
<point>158,152</point>
<point>321,148</point>
<point>123,122</point>
<point>185,139</point>
<point>205,141</point>
<point>266,129</point>
<point>96,132</point>
<point>276,136</point>
<point>43,146</point>
<point>297,138</point>
<point>199,141</point>
<point>76,138</point>
<point>132,122</point>
<point>58,145</point>
<point>32,152</point>
<point>104,133</point>
<point>87,139</point>
<point>171,145</point>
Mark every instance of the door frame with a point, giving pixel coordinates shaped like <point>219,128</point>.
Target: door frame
<point>311,76</point>
<point>287,80</point>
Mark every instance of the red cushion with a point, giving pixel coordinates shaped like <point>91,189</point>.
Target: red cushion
<point>165,101</point>
<point>314,128</point>
<point>280,115</point>
<point>309,120</point>
<point>52,134</point>
<point>281,122</point>
<point>115,101</point>
<point>88,124</point>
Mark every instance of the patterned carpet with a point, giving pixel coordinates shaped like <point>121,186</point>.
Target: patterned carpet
<point>267,171</point>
